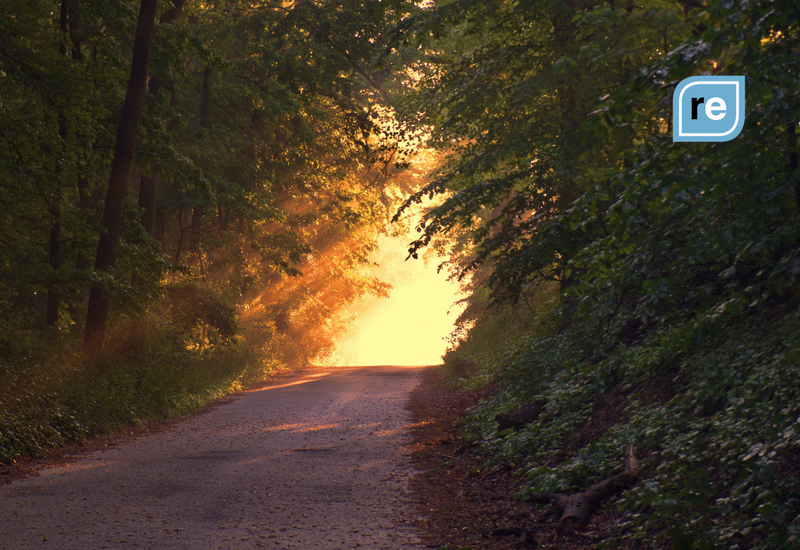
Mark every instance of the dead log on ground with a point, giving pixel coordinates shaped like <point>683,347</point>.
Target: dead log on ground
<point>576,509</point>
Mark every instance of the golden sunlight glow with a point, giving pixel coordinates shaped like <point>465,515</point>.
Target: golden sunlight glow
<point>774,36</point>
<point>411,326</point>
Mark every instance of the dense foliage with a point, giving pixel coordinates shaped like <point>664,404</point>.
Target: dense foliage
<point>265,165</point>
<point>715,424</point>
<point>657,281</point>
<point>645,290</point>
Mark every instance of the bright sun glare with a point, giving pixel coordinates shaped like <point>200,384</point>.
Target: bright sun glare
<point>411,326</point>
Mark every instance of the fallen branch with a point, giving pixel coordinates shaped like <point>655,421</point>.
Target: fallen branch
<point>576,509</point>
<point>496,470</point>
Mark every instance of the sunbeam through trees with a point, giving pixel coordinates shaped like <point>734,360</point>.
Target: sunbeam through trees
<point>194,196</point>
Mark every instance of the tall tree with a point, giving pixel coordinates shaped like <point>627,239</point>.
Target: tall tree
<point>148,184</point>
<point>284,147</point>
<point>53,298</point>
<point>125,146</point>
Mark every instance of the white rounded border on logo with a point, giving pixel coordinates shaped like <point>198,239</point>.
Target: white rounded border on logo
<point>711,108</point>
<point>681,133</point>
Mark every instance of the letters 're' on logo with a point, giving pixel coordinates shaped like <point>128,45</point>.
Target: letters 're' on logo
<point>708,108</point>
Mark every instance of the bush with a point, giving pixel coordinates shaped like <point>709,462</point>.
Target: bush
<point>712,406</point>
<point>157,365</point>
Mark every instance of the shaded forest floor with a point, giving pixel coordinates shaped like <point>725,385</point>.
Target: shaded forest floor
<point>466,506</point>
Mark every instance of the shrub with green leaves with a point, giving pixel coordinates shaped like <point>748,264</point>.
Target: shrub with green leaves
<point>716,423</point>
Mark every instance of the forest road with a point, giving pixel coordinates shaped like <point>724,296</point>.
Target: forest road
<point>314,461</point>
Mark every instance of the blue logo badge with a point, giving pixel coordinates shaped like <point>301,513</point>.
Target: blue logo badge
<point>708,108</point>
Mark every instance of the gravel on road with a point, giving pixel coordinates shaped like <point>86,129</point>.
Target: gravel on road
<point>314,461</point>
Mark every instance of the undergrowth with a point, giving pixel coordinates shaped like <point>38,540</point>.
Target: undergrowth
<point>159,364</point>
<point>711,407</point>
<point>53,397</point>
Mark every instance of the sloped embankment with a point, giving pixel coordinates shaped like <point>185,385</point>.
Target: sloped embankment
<point>710,408</point>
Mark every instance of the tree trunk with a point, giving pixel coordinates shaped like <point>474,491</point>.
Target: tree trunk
<point>53,298</point>
<point>147,201</point>
<point>81,261</point>
<point>223,226</point>
<point>84,201</point>
<point>172,14</point>
<point>160,225</point>
<point>205,110</point>
<point>148,185</point>
<point>120,174</point>
<point>197,218</point>
<point>63,26</point>
<point>181,230</point>
<point>205,98</point>
<point>792,137</point>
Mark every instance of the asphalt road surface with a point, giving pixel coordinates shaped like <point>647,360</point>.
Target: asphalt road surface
<point>315,461</point>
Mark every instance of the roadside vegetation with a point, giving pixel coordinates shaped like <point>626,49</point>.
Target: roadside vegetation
<point>635,300</point>
<point>714,422</point>
<point>190,192</point>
